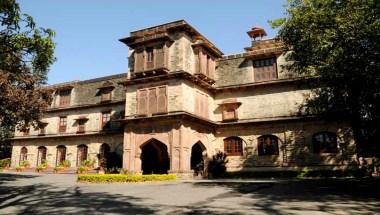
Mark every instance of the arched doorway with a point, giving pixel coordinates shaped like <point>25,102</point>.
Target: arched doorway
<point>61,155</point>
<point>196,161</point>
<point>23,155</point>
<point>41,156</point>
<point>155,158</point>
<point>81,154</point>
<point>108,159</point>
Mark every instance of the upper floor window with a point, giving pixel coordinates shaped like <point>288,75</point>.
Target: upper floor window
<point>268,145</point>
<point>64,97</point>
<point>62,124</point>
<point>42,129</point>
<point>325,142</point>
<point>229,109</point>
<point>201,104</point>
<point>81,124</point>
<point>106,94</point>
<point>265,69</point>
<point>233,146</point>
<point>149,58</point>
<point>106,117</point>
<point>26,131</point>
<point>205,63</point>
<point>152,100</point>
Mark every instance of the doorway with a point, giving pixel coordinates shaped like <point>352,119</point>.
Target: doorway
<point>155,158</point>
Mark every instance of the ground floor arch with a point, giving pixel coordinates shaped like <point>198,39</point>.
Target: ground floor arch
<point>154,158</point>
<point>197,159</point>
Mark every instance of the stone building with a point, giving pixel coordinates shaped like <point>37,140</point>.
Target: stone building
<point>182,101</point>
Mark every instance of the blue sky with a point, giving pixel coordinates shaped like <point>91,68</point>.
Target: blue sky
<point>87,31</point>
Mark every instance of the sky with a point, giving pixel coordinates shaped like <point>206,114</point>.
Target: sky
<point>87,31</point>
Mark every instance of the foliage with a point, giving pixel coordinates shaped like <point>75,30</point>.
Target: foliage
<point>42,166</point>
<point>217,165</point>
<point>5,148</point>
<point>5,163</point>
<point>303,173</point>
<point>108,178</point>
<point>88,163</point>
<point>65,164</point>
<point>59,169</point>
<point>26,52</point>
<point>338,42</point>
<point>20,168</point>
<point>82,169</point>
<point>25,163</point>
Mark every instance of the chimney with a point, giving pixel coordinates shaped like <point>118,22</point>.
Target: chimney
<point>256,34</point>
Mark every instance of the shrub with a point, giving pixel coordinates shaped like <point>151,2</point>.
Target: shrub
<point>59,169</point>
<point>20,168</point>
<point>5,163</point>
<point>88,163</point>
<point>42,166</point>
<point>82,169</point>
<point>25,164</point>
<point>217,165</point>
<point>65,163</point>
<point>109,178</point>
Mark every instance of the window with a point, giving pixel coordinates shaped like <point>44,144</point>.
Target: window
<point>42,129</point>
<point>26,132</point>
<point>325,142</point>
<point>106,94</point>
<point>265,69</point>
<point>64,97</point>
<point>41,156</point>
<point>205,64</point>
<point>23,155</point>
<point>150,58</point>
<point>152,101</point>
<point>268,145</point>
<point>106,117</point>
<point>81,154</point>
<point>62,124</point>
<point>61,155</point>
<point>229,109</point>
<point>201,104</point>
<point>81,125</point>
<point>233,146</point>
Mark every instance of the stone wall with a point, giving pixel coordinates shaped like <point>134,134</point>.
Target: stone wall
<point>93,143</point>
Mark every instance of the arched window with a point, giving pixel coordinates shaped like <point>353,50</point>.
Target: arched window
<point>325,142</point>
<point>41,156</point>
<point>82,154</point>
<point>23,155</point>
<point>61,154</point>
<point>233,146</point>
<point>268,145</point>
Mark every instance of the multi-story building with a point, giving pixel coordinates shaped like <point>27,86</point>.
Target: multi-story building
<point>183,101</point>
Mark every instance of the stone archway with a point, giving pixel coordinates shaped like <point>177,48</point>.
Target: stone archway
<point>155,158</point>
<point>197,162</point>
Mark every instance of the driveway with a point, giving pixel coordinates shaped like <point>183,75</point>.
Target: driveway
<point>27,193</point>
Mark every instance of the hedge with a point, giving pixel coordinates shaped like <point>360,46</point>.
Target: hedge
<point>5,163</point>
<point>109,178</point>
<point>304,173</point>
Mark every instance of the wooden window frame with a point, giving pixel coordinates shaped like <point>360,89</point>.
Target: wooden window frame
<point>62,124</point>
<point>105,119</point>
<point>39,154</point>
<point>106,94</point>
<point>320,147</point>
<point>23,155</point>
<point>156,100</point>
<point>64,97</point>
<point>81,126</point>
<point>265,67</point>
<point>82,154</point>
<point>62,155</point>
<point>263,149</point>
<point>233,146</point>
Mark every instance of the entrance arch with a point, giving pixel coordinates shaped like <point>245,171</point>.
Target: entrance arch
<point>196,160</point>
<point>155,158</point>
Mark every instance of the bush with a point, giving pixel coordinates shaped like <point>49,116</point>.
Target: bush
<point>5,163</point>
<point>217,165</point>
<point>20,168</point>
<point>109,178</point>
<point>59,169</point>
<point>65,163</point>
<point>25,164</point>
<point>82,169</point>
<point>88,163</point>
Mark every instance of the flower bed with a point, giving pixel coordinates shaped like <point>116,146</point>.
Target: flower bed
<point>109,178</point>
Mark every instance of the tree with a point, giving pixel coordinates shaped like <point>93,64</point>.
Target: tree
<point>26,52</point>
<point>338,41</point>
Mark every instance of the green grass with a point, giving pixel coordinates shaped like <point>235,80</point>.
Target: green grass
<point>110,178</point>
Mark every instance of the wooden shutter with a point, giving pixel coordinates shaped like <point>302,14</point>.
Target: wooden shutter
<point>205,106</point>
<point>159,60</point>
<point>139,60</point>
<point>197,103</point>
<point>203,63</point>
<point>162,100</point>
<point>152,107</point>
<point>211,67</point>
<point>142,101</point>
